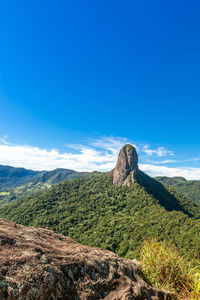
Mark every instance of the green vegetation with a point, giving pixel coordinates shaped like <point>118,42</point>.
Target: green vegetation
<point>95,212</point>
<point>4,193</point>
<point>10,176</point>
<point>164,268</point>
<point>16,183</point>
<point>4,196</point>
<point>143,221</point>
<point>190,188</point>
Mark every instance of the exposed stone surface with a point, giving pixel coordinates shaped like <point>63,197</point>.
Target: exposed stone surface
<point>127,166</point>
<point>39,264</point>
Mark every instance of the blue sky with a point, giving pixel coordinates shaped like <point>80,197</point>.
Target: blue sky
<point>78,79</point>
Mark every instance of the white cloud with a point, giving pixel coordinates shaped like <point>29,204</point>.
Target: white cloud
<point>186,172</point>
<point>112,144</point>
<point>160,151</point>
<point>167,161</point>
<point>99,155</point>
<point>3,140</point>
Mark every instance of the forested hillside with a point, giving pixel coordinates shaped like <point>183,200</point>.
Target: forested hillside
<point>96,212</point>
<point>190,188</point>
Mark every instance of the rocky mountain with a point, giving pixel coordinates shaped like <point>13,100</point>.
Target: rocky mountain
<point>190,188</point>
<point>117,217</point>
<point>18,182</point>
<point>127,166</point>
<point>38,264</point>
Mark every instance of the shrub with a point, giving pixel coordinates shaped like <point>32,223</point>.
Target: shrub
<point>166,269</point>
<point>195,294</point>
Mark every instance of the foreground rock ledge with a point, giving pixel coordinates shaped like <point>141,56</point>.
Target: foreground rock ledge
<point>39,264</point>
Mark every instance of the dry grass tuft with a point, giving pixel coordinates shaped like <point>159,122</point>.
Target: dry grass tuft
<point>166,269</point>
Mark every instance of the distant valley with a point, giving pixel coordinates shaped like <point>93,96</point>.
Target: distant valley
<point>19,182</point>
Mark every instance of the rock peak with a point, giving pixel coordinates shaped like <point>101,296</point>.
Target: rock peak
<point>127,166</point>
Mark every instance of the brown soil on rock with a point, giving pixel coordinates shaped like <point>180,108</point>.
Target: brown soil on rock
<point>39,264</point>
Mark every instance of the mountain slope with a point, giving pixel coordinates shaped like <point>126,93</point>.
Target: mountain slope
<point>19,182</point>
<point>11,176</point>
<point>116,211</point>
<point>190,188</point>
<point>95,212</point>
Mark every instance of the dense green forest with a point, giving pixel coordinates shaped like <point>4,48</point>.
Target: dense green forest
<point>190,188</point>
<point>95,212</point>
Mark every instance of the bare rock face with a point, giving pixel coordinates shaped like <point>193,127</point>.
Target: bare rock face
<point>127,166</point>
<point>38,264</point>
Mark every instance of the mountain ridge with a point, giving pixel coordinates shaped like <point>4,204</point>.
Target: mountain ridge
<point>189,188</point>
<point>96,212</point>
<point>27,182</point>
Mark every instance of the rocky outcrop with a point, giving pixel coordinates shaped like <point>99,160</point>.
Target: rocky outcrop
<point>42,265</point>
<point>127,166</point>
